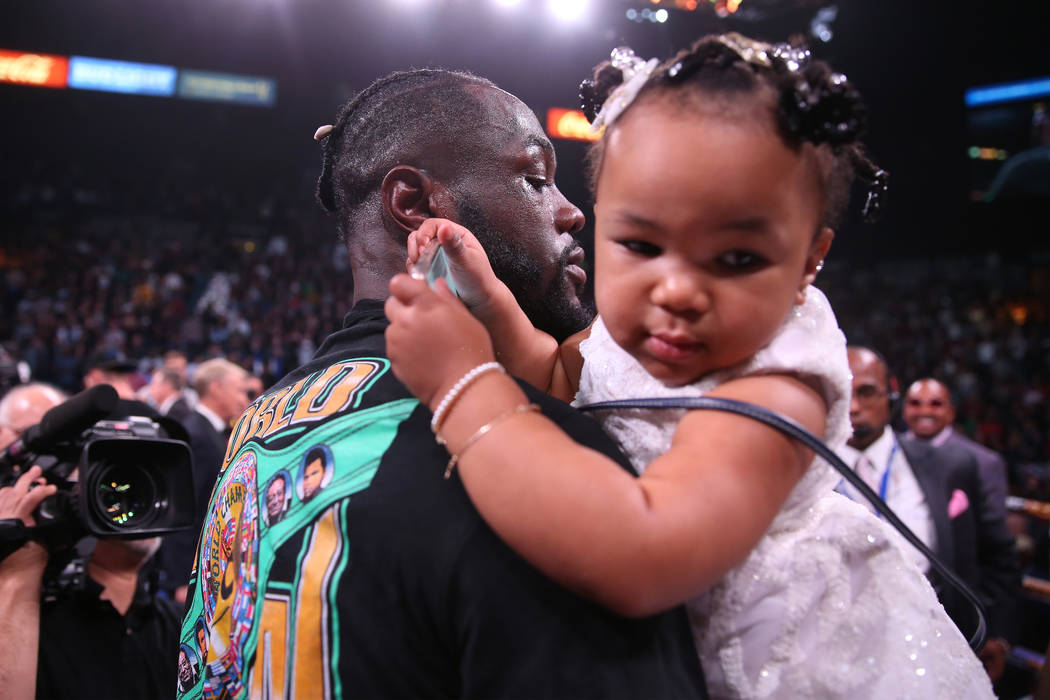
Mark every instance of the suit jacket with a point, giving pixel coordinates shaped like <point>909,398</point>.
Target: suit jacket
<point>972,538</point>
<point>208,446</point>
<point>180,410</point>
<point>991,466</point>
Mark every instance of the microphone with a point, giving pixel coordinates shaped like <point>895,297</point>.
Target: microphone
<point>64,421</point>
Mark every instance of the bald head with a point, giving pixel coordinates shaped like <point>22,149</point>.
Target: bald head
<point>928,408</point>
<point>23,407</point>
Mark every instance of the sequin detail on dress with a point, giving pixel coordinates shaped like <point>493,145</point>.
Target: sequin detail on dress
<point>826,605</point>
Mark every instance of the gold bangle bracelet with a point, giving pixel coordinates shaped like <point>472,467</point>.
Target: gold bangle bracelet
<point>521,408</point>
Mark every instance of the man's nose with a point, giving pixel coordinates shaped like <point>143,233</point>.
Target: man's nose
<point>567,216</point>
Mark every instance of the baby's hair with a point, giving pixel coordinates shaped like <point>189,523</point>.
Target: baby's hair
<point>810,104</point>
<point>397,119</point>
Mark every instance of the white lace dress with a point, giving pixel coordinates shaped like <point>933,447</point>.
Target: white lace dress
<point>826,606</point>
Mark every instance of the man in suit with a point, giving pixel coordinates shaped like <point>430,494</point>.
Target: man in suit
<point>223,396</point>
<point>165,393</point>
<point>929,413</point>
<point>938,494</point>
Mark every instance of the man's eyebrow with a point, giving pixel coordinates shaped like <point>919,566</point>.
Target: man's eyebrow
<point>541,143</point>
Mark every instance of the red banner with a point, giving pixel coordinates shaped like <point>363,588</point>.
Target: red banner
<point>42,70</point>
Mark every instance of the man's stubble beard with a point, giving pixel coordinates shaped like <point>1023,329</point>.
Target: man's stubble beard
<point>557,310</point>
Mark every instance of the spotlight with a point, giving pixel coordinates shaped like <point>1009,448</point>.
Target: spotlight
<point>632,14</point>
<point>661,15</point>
<point>568,10</point>
<point>508,3</point>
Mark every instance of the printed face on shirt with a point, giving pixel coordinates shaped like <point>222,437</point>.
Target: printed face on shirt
<point>704,236</point>
<point>312,477</point>
<point>928,408</point>
<point>275,499</point>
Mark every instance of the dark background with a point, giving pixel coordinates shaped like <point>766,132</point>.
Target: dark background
<point>912,61</point>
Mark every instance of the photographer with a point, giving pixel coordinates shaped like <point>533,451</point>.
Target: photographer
<point>111,638</point>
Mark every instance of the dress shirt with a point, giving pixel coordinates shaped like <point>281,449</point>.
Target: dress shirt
<point>218,423</point>
<point>903,493</point>
<point>937,440</point>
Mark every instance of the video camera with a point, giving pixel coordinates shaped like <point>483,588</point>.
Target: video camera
<point>130,482</point>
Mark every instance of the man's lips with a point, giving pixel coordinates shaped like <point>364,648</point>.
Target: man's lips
<point>573,269</point>
<point>671,347</point>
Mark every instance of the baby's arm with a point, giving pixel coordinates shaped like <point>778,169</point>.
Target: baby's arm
<point>525,351</point>
<point>636,545</point>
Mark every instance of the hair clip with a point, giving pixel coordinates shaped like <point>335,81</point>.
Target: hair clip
<point>880,185</point>
<point>323,131</point>
<point>636,72</point>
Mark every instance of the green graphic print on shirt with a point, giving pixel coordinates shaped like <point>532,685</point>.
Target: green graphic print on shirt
<point>251,632</point>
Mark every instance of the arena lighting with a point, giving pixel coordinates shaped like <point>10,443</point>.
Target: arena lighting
<point>508,3</point>
<point>567,10</point>
<point>660,15</point>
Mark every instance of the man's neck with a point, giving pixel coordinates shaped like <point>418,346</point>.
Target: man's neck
<point>868,440</point>
<point>205,408</point>
<point>117,572</point>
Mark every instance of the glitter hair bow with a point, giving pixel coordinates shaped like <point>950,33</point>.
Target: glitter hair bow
<point>636,72</point>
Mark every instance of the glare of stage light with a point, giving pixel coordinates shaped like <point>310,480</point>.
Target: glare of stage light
<point>568,10</point>
<point>508,3</point>
<point>733,5</point>
<point>661,15</point>
<point>632,14</point>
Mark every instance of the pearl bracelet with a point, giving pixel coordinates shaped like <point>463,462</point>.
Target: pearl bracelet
<point>456,390</point>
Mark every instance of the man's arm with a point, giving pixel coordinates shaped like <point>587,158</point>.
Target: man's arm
<point>21,578</point>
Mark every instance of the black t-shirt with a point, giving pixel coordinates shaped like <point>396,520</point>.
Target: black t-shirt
<point>88,650</point>
<point>336,561</point>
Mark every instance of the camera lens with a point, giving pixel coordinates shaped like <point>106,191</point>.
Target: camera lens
<point>124,496</point>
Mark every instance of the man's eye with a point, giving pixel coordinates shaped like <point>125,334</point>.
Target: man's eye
<point>538,183</point>
<point>643,248</point>
<point>740,260</point>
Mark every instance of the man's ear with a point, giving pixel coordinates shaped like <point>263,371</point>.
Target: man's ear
<point>411,196</point>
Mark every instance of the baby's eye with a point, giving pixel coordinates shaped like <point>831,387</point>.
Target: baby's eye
<point>643,248</point>
<point>740,260</point>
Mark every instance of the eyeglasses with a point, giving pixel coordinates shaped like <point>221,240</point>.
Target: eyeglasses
<point>868,392</point>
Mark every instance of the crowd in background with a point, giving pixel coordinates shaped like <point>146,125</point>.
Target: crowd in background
<point>262,282</point>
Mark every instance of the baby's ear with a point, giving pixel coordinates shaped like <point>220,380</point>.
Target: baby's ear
<point>818,250</point>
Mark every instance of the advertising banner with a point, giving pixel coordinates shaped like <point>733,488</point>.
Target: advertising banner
<point>121,76</point>
<point>224,87</point>
<point>569,124</point>
<point>41,70</point>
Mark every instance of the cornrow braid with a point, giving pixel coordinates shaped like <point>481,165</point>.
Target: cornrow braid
<point>397,119</point>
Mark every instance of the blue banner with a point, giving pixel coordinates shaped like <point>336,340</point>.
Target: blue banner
<point>121,76</point>
<point>225,87</point>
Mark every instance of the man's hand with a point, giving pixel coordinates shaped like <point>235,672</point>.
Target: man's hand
<point>20,501</point>
<point>993,656</point>
<point>21,576</point>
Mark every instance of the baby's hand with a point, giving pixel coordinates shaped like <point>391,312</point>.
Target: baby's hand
<point>476,283</point>
<point>432,339</point>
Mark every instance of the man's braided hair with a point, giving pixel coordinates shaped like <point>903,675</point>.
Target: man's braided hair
<point>401,118</point>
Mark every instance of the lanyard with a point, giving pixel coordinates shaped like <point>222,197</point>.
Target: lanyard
<point>885,481</point>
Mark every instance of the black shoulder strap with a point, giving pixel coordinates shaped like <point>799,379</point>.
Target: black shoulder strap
<point>796,431</point>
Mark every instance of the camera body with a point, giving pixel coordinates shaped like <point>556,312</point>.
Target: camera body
<point>116,479</point>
